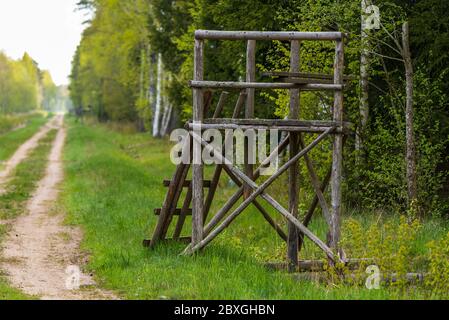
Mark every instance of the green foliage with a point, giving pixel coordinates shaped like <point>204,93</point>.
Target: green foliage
<point>438,273</point>
<point>11,140</point>
<point>117,58</point>
<point>105,68</point>
<point>23,86</point>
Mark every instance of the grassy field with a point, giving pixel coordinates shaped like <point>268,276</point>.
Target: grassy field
<point>18,191</point>
<point>11,140</point>
<point>113,183</point>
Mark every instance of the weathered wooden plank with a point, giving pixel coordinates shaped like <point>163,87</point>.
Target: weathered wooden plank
<point>168,202</point>
<point>259,207</point>
<point>280,122</point>
<point>184,212</point>
<point>197,172</point>
<point>309,129</point>
<point>221,103</point>
<point>236,196</point>
<point>337,153</point>
<point>264,85</point>
<point>177,195</point>
<point>267,35</point>
<point>249,111</point>
<point>313,206</point>
<point>316,185</point>
<point>293,185</point>
<point>207,96</point>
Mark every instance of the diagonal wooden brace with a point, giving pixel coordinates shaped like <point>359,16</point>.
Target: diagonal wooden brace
<point>259,190</point>
<point>258,206</point>
<point>238,194</point>
<point>316,184</point>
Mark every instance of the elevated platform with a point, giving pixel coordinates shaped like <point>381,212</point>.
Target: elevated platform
<point>289,125</point>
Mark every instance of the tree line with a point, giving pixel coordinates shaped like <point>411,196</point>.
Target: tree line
<point>136,57</point>
<point>23,86</point>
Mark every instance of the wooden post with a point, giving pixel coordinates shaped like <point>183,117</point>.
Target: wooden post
<point>293,191</point>
<point>249,112</point>
<point>337,154</point>
<point>197,173</point>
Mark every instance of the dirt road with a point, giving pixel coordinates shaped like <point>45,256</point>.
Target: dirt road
<point>23,151</point>
<point>41,255</point>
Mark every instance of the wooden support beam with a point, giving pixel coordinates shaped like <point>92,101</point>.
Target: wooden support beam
<point>308,217</point>
<point>197,174</point>
<point>184,212</point>
<point>293,183</point>
<point>337,153</point>
<point>249,148</point>
<point>316,184</point>
<point>259,207</point>
<point>238,194</point>
<point>259,191</point>
<point>168,202</point>
<point>207,96</point>
<point>264,85</point>
<point>289,125</point>
<point>267,35</point>
<point>280,122</point>
<point>177,195</point>
<point>221,103</point>
<point>313,206</point>
<point>308,129</point>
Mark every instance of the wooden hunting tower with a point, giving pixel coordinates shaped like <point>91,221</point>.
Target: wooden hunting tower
<point>294,128</point>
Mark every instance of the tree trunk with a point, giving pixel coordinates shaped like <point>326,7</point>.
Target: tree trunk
<point>410,139</point>
<point>141,121</point>
<point>364,78</point>
<point>157,113</point>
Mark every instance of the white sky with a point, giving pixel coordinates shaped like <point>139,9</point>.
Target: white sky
<point>49,30</point>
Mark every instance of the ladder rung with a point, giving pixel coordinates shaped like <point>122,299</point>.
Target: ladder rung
<point>157,212</point>
<point>187,183</point>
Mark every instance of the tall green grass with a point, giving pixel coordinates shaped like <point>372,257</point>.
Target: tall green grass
<point>113,183</point>
<point>11,140</point>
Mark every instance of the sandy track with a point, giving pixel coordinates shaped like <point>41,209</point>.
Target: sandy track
<point>39,248</point>
<point>23,151</point>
